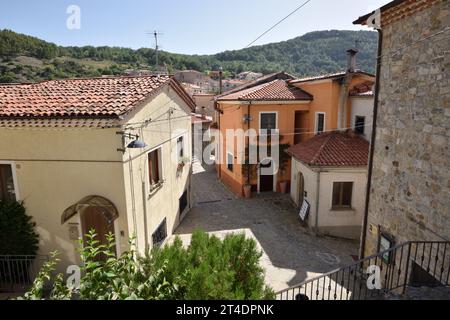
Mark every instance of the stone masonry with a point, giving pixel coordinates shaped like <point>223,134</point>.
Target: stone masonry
<point>410,195</point>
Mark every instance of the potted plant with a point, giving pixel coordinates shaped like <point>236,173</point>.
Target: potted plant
<point>284,160</point>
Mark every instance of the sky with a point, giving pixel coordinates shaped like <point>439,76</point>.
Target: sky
<point>186,26</point>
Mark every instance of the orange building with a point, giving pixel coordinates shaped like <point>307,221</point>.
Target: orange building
<point>294,109</point>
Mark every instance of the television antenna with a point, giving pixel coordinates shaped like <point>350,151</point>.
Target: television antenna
<point>156,35</point>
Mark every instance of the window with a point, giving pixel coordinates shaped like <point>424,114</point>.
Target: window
<point>154,168</point>
<point>7,191</point>
<point>230,160</point>
<point>268,122</point>
<point>385,242</point>
<point>180,148</point>
<point>320,123</point>
<point>342,195</point>
<point>360,124</point>
<point>160,234</point>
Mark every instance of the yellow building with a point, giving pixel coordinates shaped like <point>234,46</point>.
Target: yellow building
<point>112,154</point>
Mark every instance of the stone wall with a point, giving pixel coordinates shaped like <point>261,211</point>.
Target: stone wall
<point>410,194</point>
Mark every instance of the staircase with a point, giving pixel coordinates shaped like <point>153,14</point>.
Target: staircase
<point>392,273</point>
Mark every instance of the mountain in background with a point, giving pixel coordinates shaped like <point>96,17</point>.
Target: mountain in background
<point>29,59</point>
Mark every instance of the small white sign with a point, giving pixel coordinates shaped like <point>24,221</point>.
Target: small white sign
<point>304,211</point>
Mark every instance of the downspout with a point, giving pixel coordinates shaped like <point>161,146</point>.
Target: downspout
<point>372,147</point>
<point>316,228</point>
<point>248,140</point>
<point>218,154</point>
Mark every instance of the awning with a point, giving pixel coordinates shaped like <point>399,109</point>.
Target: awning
<point>109,209</point>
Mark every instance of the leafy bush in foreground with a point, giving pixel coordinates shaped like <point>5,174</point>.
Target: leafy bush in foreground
<point>208,269</point>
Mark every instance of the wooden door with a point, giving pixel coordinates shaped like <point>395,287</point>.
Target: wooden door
<point>93,218</point>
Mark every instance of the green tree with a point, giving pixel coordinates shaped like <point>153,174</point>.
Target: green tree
<point>17,234</point>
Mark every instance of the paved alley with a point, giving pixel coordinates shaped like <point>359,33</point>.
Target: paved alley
<point>290,253</point>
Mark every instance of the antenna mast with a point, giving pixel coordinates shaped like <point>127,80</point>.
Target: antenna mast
<point>156,34</point>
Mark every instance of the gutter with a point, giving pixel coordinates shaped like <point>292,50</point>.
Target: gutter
<point>372,148</point>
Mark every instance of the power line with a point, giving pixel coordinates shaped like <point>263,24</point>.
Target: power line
<point>279,22</point>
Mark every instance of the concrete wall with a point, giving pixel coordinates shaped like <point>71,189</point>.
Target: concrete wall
<point>363,107</point>
<point>339,223</point>
<point>410,195</point>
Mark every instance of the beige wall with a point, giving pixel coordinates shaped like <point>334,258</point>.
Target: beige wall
<point>341,223</point>
<point>57,168</point>
<point>148,209</point>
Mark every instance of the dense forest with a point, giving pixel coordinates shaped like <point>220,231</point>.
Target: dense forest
<point>28,59</point>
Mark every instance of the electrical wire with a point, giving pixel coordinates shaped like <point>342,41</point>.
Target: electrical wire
<point>278,23</point>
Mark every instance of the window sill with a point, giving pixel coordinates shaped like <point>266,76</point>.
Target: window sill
<point>342,209</point>
<point>156,187</point>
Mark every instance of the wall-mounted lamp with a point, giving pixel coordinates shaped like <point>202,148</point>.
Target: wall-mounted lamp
<point>135,144</point>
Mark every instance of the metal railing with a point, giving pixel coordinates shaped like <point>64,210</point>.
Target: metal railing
<point>410,264</point>
<point>17,273</point>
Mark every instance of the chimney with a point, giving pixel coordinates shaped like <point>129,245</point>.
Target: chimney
<point>351,60</point>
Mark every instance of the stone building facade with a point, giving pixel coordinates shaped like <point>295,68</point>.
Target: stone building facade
<point>410,185</point>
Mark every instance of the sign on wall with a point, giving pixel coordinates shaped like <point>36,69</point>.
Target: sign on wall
<point>304,211</point>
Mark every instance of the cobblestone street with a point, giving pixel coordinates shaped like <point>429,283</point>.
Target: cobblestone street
<point>291,254</point>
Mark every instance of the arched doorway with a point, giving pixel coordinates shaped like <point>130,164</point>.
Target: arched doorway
<point>301,188</point>
<point>95,213</point>
<point>95,218</point>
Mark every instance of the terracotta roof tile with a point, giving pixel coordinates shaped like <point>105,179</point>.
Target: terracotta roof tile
<point>332,76</point>
<point>276,90</point>
<point>98,97</point>
<point>259,81</point>
<point>334,149</point>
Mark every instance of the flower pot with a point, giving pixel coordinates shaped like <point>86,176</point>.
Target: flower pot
<point>283,186</point>
<point>247,191</point>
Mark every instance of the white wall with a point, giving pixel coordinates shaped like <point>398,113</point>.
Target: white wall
<point>363,106</point>
<point>340,223</point>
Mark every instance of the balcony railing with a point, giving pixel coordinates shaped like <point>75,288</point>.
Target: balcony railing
<point>414,264</point>
<point>17,273</point>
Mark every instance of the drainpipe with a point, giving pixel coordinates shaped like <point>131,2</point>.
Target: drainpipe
<point>372,147</point>
<point>219,146</point>
<point>248,140</point>
<point>316,228</point>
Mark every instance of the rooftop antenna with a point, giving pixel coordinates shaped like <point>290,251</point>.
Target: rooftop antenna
<point>156,34</point>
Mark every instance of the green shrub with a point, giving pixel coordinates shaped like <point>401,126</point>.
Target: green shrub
<point>208,269</point>
<point>17,234</point>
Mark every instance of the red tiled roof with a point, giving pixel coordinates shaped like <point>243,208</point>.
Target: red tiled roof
<point>109,97</point>
<point>276,90</point>
<point>363,89</point>
<point>331,76</point>
<point>259,81</point>
<point>333,149</point>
